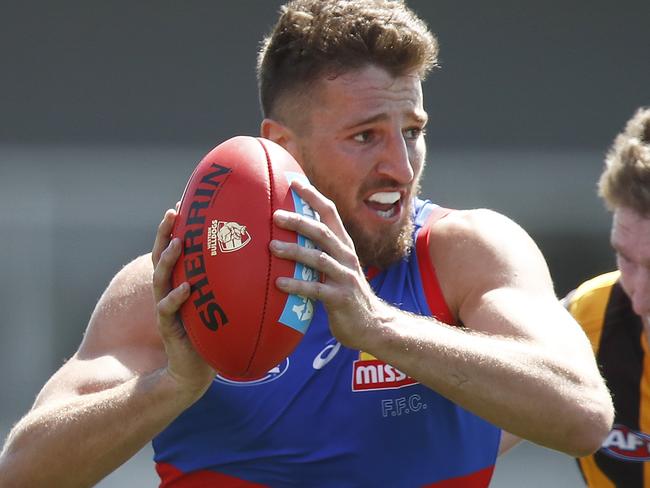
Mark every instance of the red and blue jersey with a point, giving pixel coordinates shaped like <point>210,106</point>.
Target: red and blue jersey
<point>329,416</point>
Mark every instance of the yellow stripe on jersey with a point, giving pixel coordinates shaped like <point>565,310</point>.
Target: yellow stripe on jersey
<point>644,407</point>
<point>604,311</point>
<point>587,305</point>
<point>593,474</point>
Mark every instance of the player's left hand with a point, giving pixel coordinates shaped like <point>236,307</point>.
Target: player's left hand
<point>351,305</point>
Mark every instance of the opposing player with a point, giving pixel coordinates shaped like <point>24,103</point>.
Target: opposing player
<point>434,330</point>
<point>614,310</point>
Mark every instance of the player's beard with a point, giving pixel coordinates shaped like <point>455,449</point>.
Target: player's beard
<point>389,244</point>
<point>382,245</point>
<point>386,248</point>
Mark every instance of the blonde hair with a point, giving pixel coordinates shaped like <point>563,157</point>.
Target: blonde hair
<point>625,181</point>
<point>313,38</point>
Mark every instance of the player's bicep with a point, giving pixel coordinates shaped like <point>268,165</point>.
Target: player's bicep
<point>529,317</point>
<point>80,377</point>
<point>123,324</point>
<point>121,340</point>
<point>499,281</point>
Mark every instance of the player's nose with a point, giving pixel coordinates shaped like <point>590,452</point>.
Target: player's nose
<point>395,162</point>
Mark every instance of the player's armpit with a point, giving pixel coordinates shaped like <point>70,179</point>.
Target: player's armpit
<point>508,441</point>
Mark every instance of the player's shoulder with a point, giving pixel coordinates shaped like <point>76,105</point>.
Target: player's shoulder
<point>588,303</point>
<point>126,310</point>
<point>593,291</point>
<point>133,276</point>
<point>478,250</point>
<point>598,284</point>
<point>472,221</point>
<point>479,230</point>
<point>130,288</point>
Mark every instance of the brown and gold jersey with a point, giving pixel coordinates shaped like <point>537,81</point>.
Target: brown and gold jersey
<point>616,333</point>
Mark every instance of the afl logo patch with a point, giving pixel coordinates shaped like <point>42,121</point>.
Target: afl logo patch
<point>626,444</point>
<point>272,375</point>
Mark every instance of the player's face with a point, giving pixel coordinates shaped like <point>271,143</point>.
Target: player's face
<point>365,151</point>
<point>631,240</point>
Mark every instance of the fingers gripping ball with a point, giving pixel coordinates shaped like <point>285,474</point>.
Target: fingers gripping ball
<point>236,317</point>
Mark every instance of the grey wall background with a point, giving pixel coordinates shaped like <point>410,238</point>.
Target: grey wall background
<point>105,108</point>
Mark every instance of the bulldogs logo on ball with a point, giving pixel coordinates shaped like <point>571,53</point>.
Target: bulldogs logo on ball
<point>227,237</point>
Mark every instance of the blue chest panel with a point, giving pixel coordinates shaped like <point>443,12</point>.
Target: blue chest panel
<point>332,416</point>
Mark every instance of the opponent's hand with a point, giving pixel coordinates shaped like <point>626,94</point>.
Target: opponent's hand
<point>352,307</point>
<point>184,365</point>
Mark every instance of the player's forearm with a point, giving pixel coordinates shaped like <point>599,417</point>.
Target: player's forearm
<point>77,442</point>
<point>509,382</point>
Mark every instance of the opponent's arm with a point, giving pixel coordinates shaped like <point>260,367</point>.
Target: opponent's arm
<point>120,389</point>
<point>521,362</point>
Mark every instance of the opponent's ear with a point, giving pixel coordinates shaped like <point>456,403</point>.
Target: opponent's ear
<point>280,134</point>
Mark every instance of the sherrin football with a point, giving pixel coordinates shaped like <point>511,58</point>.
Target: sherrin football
<point>235,316</point>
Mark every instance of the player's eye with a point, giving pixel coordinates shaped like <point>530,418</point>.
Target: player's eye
<point>363,137</point>
<point>413,133</point>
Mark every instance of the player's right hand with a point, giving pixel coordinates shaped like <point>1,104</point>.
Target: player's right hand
<point>185,366</point>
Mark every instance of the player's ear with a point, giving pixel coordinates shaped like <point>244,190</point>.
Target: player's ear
<point>279,133</point>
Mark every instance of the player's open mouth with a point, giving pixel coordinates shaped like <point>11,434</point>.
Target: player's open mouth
<point>386,204</point>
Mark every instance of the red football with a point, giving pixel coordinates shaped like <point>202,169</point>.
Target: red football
<point>236,317</point>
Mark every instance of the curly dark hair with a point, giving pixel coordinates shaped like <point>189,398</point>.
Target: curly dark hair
<point>313,38</point>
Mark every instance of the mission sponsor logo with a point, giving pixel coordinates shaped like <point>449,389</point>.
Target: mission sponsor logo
<point>626,444</point>
<point>369,373</point>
